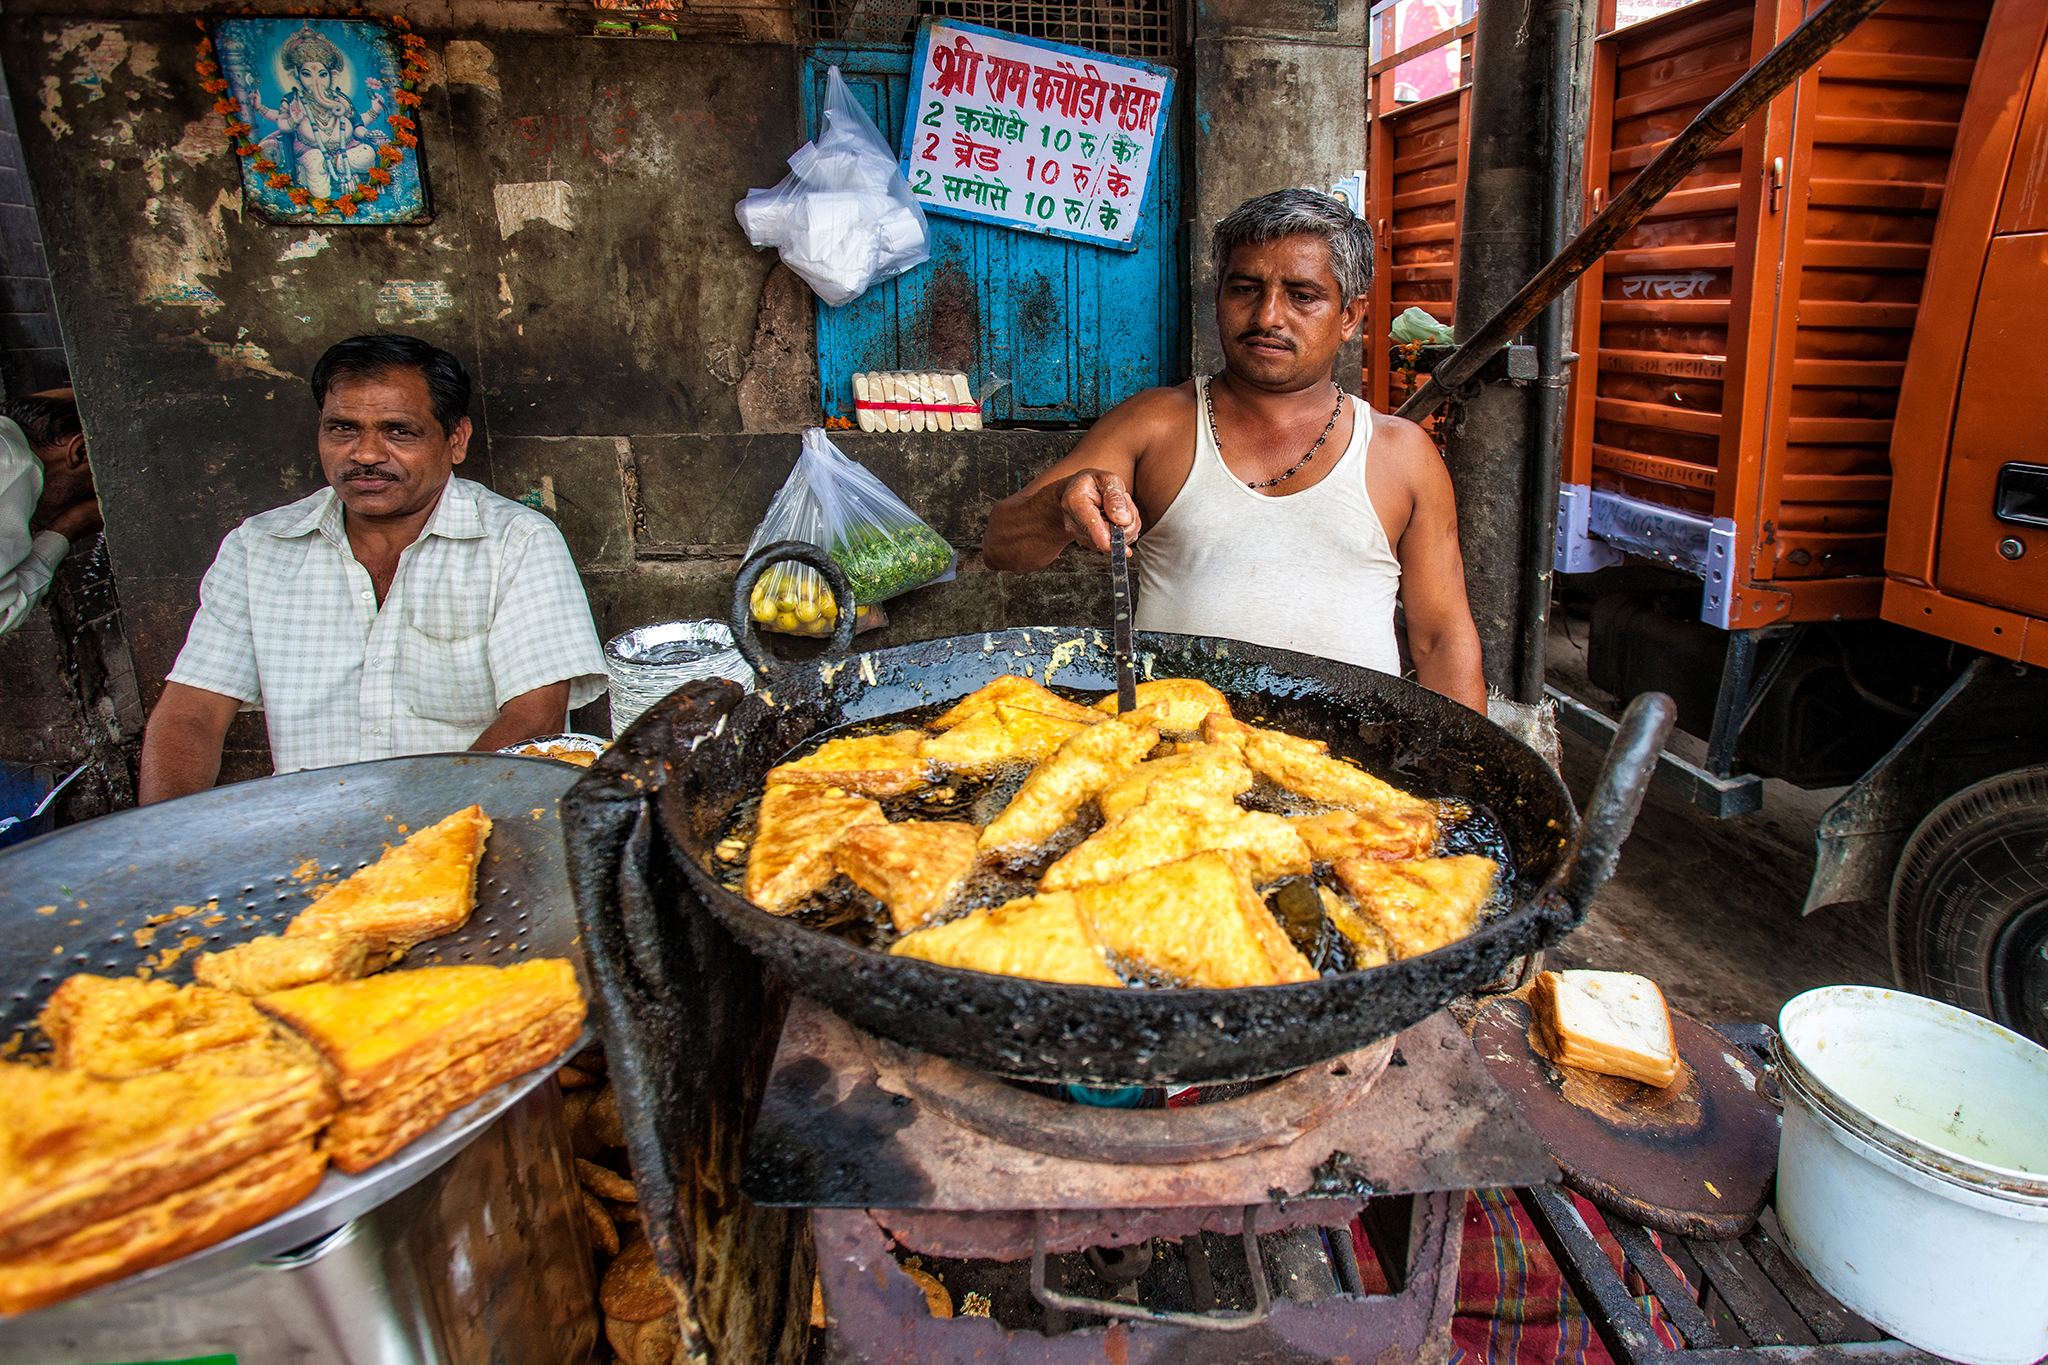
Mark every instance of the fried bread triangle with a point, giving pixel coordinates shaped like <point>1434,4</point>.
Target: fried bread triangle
<point>422,889</point>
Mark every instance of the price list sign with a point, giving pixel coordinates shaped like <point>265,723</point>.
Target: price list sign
<point>1033,135</point>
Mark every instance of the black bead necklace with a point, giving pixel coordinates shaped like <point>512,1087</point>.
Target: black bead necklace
<point>1209,396</point>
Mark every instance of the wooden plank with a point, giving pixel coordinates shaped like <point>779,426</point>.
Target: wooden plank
<point>1838,431</point>
<point>1684,256</point>
<point>1643,153</point>
<point>1699,312</point>
<point>1834,488</point>
<point>1680,472</point>
<point>1418,236</point>
<point>1830,1323</point>
<point>1848,374</point>
<point>1883,132</point>
<point>1831,254</point>
<point>1691,94</point>
<point>1862,316</point>
<point>1659,416</point>
<point>1670,364</point>
<point>1765,1316</point>
<point>1432,197</point>
<point>1896,67</point>
<point>1910,196</point>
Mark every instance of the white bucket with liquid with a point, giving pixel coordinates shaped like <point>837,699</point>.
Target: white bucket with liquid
<point>1913,1169</point>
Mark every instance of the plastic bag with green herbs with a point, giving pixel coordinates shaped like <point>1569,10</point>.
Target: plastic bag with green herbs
<point>835,503</point>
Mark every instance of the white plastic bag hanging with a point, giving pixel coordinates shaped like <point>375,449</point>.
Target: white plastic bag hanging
<point>844,216</point>
<point>839,506</point>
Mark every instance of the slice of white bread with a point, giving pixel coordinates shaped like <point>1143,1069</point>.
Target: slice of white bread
<point>1615,1023</point>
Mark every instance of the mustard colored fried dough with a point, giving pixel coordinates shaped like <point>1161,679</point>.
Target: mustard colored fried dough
<point>1178,704</point>
<point>1423,904</point>
<point>1203,772</point>
<point>1368,940</point>
<point>1161,832</point>
<point>792,852</point>
<point>913,866</point>
<point>199,1215</point>
<point>422,889</point>
<point>866,765</point>
<point>1305,767</point>
<point>1398,834</point>
<point>386,1033</point>
<point>362,1135</point>
<point>1002,734</point>
<point>1018,692</point>
<point>75,1149</point>
<point>121,1026</point>
<point>1075,774</point>
<point>1197,921</point>
<point>274,962</point>
<point>1220,728</point>
<point>1041,937</point>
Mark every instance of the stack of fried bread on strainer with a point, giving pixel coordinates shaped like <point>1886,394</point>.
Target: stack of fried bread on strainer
<point>170,1117</point>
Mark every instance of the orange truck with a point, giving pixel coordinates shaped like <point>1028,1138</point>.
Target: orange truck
<point>1806,490</point>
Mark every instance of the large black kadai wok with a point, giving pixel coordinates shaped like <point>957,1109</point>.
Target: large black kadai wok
<point>708,748</point>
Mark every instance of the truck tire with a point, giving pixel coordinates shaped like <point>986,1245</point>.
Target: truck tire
<point>1969,905</point>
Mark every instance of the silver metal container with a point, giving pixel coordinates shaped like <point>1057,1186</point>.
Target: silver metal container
<point>647,663</point>
<point>485,1262</point>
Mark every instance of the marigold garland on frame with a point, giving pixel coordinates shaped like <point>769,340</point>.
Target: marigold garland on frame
<point>404,129</point>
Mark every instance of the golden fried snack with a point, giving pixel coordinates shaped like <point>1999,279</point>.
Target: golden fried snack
<point>386,1033</point>
<point>1042,937</point>
<point>75,1149</point>
<point>1197,921</point>
<point>1219,728</point>
<point>1422,904</point>
<point>1166,832</point>
<point>1397,834</point>
<point>122,1026</point>
<point>867,765</point>
<point>422,889</point>
<point>792,852</point>
<point>1179,704</point>
<point>1202,772</point>
<point>1368,940</point>
<point>1001,734</point>
<point>1057,788</point>
<point>913,867</point>
<point>1019,692</point>
<point>276,963</point>
<point>362,1135</point>
<point>236,1199</point>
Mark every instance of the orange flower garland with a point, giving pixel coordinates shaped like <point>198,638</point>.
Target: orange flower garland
<point>404,130</point>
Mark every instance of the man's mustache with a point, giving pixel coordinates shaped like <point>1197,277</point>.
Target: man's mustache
<point>1257,335</point>
<point>372,472</point>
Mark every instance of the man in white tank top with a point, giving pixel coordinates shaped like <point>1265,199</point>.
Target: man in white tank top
<point>1265,505</point>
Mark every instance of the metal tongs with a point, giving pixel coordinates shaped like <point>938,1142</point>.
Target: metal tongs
<point>1120,630</point>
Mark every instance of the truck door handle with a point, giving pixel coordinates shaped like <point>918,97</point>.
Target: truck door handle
<point>2022,496</point>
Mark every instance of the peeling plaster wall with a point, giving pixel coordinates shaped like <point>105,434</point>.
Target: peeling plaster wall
<point>639,366</point>
<point>1279,101</point>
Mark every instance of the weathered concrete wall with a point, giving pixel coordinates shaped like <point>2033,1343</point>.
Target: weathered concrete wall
<point>31,348</point>
<point>1279,101</point>
<point>639,366</point>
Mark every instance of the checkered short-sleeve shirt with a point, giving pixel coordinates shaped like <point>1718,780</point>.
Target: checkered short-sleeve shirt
<point>485,606</point>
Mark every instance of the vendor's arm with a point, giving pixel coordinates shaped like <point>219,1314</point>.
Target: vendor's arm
<point>30,548</point>
<point>181,748</point>
<point>1102,479</point>
<point>1441,637</point>
<point>543,711</point>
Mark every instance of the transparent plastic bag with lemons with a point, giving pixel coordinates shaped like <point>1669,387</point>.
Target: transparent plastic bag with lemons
<point>832,502</point>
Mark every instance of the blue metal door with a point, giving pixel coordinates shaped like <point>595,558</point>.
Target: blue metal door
<point>1076,329</point>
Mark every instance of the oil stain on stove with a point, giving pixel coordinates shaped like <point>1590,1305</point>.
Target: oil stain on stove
<point>793,1157</point>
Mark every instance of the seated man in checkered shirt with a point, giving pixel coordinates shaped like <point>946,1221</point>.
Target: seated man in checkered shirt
<point>400,610</point>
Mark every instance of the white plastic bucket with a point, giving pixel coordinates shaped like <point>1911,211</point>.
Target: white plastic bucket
<point>1913,1169</point>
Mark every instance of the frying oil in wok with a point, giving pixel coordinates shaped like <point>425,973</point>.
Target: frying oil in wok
<point>845,911</point>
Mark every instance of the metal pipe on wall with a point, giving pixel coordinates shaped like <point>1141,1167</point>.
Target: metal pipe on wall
<point>1488,436</point>
<point>1573,26</point>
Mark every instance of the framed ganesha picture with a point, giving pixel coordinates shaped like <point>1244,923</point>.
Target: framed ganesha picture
<point>323,115</point>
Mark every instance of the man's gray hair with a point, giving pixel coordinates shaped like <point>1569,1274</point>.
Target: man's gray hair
<point>1291,213</point>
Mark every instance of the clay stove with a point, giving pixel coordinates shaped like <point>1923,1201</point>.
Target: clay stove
<point>1213,1232</point>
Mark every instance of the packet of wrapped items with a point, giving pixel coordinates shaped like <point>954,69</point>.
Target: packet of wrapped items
<point>839,506</point>
<point>905,400</point>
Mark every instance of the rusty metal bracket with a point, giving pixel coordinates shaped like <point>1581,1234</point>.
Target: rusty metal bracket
<point>1212,1321</point>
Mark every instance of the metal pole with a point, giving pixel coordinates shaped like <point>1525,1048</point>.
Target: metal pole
<point>1490,433</point>
<point>1718,122</point>
<point>1573,26</point>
